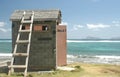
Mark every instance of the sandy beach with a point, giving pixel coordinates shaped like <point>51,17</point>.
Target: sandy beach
<point>81,70</point>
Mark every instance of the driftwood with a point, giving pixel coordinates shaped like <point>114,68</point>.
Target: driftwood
<point>4,66</point>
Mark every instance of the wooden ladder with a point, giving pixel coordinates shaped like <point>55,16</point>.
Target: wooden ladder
<point>18,41</point>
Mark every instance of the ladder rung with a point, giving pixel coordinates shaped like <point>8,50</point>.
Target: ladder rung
<point>22,41</point>
<point>26,21</point>
<point>17,66</point>
<point>20,54</point>
<point>24,30</point>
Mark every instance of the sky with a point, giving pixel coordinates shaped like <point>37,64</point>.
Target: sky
<point>84,18</point>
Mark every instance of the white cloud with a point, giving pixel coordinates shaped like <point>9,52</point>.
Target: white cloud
<point>8,29</point>
<point>4,30</point>
<point>97,26</point>
<point>116,23</point>
<point>64,23</point>
<point>76,27</point>
<point>2,24</point>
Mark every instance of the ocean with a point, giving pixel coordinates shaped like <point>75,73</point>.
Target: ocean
<point>94,51</point>
<point>87,51</point>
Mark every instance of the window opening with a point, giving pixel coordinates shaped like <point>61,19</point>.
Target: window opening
<point>41,28</point>
<point>23,27</point>
<point>44,28</point>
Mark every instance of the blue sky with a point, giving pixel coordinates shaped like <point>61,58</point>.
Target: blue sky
<point>84,18</point>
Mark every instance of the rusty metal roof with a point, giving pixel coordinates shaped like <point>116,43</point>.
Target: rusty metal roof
<point>39,15</point>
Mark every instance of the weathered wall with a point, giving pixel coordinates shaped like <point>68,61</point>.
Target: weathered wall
<point>43,46</point>
<point>61,45</point>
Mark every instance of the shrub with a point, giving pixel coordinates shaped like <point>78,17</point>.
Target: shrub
<point>77,67</point>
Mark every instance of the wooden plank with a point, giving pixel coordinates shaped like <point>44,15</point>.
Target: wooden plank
<point>22,41</point>
<point>17,66</point>
<point>26,21</point>
<point>20,54</point>
<point>24,30</point>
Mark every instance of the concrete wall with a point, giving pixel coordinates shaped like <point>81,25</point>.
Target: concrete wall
<point>61,45</point>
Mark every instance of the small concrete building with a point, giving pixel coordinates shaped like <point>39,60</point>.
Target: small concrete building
<point>48,39</point>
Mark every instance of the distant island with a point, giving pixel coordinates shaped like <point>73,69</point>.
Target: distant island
<point>97,38</point>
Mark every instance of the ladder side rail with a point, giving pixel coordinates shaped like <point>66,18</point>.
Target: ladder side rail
<point>18,37</point>
<point>29,44</point>
<point>32,17</point>
<point>11,69</point>
<point>27,58</point>
<point>14,51</point>
<point>23,16</point>
<point>20,28</point>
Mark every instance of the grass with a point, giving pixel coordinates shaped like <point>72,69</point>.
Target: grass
<point>82,70</point>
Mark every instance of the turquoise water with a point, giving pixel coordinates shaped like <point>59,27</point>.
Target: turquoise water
<point>102,51</point>
<point>94,48</point>
<point>77,47</point>
<point>95,51</point>
<point>5,46</point>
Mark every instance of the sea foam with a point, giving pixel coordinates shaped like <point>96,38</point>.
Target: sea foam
<point>6,54</point>
<point>103,59</point>
<point>108,57</point>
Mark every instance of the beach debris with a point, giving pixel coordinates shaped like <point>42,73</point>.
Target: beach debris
<point>65,68</point>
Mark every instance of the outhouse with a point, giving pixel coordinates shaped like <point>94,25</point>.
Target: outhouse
<point>48,39</point>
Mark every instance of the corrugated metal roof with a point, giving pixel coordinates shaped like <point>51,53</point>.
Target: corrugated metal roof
<point>39,15</point>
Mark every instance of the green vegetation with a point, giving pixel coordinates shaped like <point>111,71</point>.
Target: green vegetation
<point>81,70</point>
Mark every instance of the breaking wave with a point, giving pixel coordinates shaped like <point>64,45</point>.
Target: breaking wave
<point>6,54</point>
<point>102,59</point>
<point>5,40</point>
